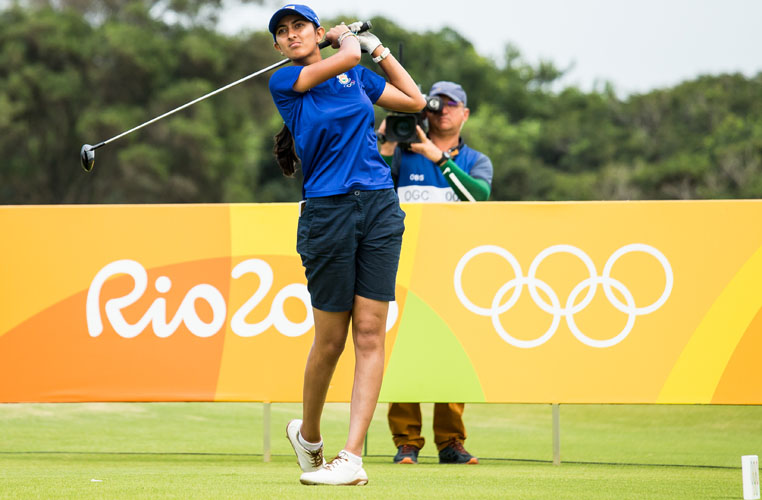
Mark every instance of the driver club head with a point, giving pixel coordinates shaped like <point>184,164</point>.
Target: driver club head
<point>87,156</point>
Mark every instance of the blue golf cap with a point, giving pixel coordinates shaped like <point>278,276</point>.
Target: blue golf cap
<point>293,9</point>
<point>449,89</point>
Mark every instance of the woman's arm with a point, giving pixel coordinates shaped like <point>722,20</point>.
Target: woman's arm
<point>401,92</point>
<point>345,59</point>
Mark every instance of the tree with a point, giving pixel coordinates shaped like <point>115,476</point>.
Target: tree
<point>81,71</point>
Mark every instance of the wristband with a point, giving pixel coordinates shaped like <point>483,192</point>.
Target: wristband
<point>383,55</point>
<point>444,159</point>
<point>346,34</point>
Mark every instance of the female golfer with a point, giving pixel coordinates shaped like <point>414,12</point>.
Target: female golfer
<point>350,228</point>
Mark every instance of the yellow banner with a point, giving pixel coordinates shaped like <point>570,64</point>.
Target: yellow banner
<point>602,302</point>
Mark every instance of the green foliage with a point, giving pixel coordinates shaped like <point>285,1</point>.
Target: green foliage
<point>66,82</point>
<point>82,71</point>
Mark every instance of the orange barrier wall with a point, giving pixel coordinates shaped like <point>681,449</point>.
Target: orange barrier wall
<point>610,302</point>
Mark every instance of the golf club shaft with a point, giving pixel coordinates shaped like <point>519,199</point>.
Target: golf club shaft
<point>325,43</point>
<point>191,103</point>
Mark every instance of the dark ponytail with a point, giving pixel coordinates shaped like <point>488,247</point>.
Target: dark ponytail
<point>284,151</point>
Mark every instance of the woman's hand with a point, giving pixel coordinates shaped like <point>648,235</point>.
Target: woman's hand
<point>368,41</point>
<point>334,34</point>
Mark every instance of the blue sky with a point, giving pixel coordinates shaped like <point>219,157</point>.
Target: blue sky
<point>638,46</point>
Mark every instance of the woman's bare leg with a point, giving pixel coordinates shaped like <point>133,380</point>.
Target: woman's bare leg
<point>368,333</point>
<point>331,330</point>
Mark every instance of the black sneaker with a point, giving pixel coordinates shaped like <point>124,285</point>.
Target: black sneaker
<point>454,453</point>
<point>406,454</point>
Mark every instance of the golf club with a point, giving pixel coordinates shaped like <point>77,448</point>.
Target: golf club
<point>87,153</point>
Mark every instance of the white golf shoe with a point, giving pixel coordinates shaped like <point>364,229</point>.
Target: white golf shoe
<point>308,460</point>
<point>341,471</point>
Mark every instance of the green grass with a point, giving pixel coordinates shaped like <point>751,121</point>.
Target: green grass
<point>214,450</point>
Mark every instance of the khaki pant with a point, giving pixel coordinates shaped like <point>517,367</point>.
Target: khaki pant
<point>405,423</point>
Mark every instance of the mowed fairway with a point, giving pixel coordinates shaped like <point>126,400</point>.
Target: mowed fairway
<point>214,450</point>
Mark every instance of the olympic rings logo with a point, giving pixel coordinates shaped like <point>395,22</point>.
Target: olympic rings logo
<point>570,309</point>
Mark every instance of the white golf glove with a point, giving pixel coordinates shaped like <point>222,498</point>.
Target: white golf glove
<point>355,26</point>
<point>368,41</point>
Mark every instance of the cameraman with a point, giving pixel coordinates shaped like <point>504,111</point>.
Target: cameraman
<point>439,168</point>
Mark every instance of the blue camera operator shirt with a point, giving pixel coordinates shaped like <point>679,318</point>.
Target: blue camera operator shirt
<point>332,125</point>
<point>420,180</point>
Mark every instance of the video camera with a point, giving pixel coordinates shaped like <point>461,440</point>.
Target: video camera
<point>400,127</point>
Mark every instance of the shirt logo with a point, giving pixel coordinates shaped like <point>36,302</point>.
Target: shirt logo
<point>344,80</point>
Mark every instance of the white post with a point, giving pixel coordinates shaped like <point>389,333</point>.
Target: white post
<point>556,434</point>
<point>750,467</point>
<point>266,455</point>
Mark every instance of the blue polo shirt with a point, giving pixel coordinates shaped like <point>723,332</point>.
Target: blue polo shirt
<point>333,129</point>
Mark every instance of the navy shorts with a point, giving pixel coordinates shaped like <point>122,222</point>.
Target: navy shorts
<point>350,245</point>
